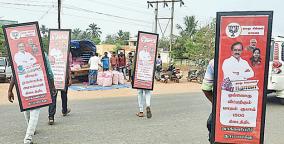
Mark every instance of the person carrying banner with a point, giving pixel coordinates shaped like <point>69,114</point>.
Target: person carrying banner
<point>32,116</point>
<point>64,100</point>
<point>207,88</point>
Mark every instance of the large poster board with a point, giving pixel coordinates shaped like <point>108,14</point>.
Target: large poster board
<point>146,52</point>
<point>28,65</point>
<point>241,71</point>
<point>59,48</point>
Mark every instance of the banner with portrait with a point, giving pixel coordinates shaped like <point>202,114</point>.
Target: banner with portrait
<point>28,65</point>
<point>145,60</point>
<point>241,71</point>
<point>59,49</point>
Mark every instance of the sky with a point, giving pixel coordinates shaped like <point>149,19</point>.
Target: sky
<point>130,15</point>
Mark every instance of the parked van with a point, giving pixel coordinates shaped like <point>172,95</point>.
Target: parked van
<point>5,69</point>
<point>276,68</point>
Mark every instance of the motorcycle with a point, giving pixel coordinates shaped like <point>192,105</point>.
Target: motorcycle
<point>196,74</point>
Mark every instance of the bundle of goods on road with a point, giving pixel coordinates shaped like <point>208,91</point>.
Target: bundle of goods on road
<point>109,78</point>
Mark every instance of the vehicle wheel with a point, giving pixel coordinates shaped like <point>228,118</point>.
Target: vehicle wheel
<point>281,100</point>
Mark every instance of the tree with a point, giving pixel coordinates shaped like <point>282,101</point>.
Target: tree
<point>195,43</point>
<point>190,26</point>
<point>76,33</point>
<point>94,30</point>
<point>3,48</point>
<point>86,35</point>
<point>110,39</point>
<point>44,30</point>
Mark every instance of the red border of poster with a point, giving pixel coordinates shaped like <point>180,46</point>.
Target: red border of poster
<point>59,49</point>
<point>145,60</point>
<point>28,65</point>
<point>241,76</point>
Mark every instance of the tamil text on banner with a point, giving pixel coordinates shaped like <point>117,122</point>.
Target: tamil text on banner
<point>145,60</point>
<point>28,65</point>
<point>243,42</point>
<point>58,55</point>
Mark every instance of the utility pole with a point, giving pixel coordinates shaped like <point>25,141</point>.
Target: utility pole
<point>165,3</point>
<point>59,11</point>
<point>156,18</point>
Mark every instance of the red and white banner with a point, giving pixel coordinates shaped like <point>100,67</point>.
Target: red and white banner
<point>28,65</point>
<point>145,60</point>
<point>58,56</point>
<point>242,54</point>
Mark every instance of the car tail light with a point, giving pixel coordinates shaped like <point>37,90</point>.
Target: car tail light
<point>277,64</point>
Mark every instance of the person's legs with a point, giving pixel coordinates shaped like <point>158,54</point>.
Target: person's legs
<point>91,78</point>
<point>64,101</point>
<point>27,116</point>
<point>140,100</point>
<point>129,75</point>
<point>95,76</point>
<point>209,126</point>
<point>148,104</point>
<point>124,72</point>
<point>33,120</point>
<point>52,107</point>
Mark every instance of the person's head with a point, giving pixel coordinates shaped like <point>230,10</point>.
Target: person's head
<point>105,53</point>
<point>237,49</point>
<point>256,53</point>
<point>113,54</point>
<point>130,54</point>
<point>21,47</point>
<point>121,53</point>
<point>253,43</point>
<point>159,56</point>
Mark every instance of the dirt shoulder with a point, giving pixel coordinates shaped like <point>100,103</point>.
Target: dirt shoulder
<point>159,88</point>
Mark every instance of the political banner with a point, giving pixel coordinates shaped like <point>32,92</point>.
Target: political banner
<point>145,60</point>
<point>59,49</point>
<point>241,71</point>
<point>28,65</point>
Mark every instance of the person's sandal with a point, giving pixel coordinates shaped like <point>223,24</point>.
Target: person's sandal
<point>149,114</point>
<point>68,111</point>
<point>50,120</point>
<point>140,114</point>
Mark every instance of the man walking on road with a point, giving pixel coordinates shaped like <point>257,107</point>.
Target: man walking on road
<point>207,88</point>
<point>65,109</point>
<point>32,116</point>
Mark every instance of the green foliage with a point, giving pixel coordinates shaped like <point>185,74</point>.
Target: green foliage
<point>120,38</point>
<point>44,40</point>
<point>3,49</point>
<point>92,33</point>
<point>194,43</point>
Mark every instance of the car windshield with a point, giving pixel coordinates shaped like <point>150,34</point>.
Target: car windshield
<point>2,62</point>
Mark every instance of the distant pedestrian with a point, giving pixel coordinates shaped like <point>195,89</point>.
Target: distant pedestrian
<point>105,62</point>
<point>129,66</point>
<point>94,62</point>
<point>122,64</point>
<point>114,61</point>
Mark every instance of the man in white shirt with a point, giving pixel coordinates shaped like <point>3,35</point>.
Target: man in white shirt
<point>94,62</point>
<point>235,68</point>
<point>23,58</point>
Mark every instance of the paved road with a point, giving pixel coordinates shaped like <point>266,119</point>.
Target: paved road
<point>177,119</point>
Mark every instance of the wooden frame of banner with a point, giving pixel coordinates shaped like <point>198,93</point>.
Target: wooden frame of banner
<point>12,65</point>
<point>217,44</point>
<point>136,53</point>
<point>68,50</point>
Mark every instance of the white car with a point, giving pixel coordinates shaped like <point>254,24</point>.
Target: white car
<point>5,69</point>
<point>276,68</point>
